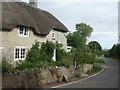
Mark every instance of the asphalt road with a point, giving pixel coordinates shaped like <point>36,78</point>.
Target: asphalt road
<point>107,79</point>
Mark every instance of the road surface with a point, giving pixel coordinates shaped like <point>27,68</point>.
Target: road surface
<point>107,79</point>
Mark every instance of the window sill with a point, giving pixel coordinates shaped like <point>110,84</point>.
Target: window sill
<point>23,36</point>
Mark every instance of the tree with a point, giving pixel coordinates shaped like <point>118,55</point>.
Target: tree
<point>95,47</point>
<point>114,51</point>
<point>75,40</point>
<point>84,30</point>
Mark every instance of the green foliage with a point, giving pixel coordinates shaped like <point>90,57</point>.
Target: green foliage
<point>43,53</point>
<point>62,57</point>
<point>64,62</point>
<point>89,58</point>
<point>95,47</point>
<point>84,58</point>
<point>78,38</point>
<point>31,65</point>
<point>47,50</point>
<point>79,58</point>
<point>84,30</point>
<point>34,54</point>
<point>88,50</point>
<point>99,61</point>
<point>105,53</point>
<point>6,67</point>
<point>44,56</point>
<point>60,54</point>
<point>75,40</point>
<point>114,52</point>
<point>95,69</point>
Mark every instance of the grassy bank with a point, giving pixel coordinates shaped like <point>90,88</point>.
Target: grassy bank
<point>99,61</point>
<point>95,69</point>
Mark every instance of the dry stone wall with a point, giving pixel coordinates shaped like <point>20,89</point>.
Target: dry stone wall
<point>36,77</point>
<point>40,76</point>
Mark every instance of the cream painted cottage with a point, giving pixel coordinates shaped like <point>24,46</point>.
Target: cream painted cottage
<point>24,23</point>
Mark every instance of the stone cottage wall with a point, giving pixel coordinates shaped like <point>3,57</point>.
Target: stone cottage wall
<point>11,39</point>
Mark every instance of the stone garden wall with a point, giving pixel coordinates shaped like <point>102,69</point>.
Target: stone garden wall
<point>40,76</point>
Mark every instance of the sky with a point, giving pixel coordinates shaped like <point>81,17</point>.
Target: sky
<point>101,16</point>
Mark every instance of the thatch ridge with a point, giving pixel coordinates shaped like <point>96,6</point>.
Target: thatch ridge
<point>21,13</point>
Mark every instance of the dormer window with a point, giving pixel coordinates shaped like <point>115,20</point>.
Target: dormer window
<point>23,31</point>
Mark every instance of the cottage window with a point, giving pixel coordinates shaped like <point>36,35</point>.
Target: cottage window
<point>53,35</point>
<point>19,53</point>
<point>23,31</point>
<point>1,47</point>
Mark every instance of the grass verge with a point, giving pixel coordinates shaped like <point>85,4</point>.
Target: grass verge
<point>95,69</point>
<point>99,61</point>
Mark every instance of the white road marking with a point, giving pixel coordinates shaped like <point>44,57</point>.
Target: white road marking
<point>78,80</point>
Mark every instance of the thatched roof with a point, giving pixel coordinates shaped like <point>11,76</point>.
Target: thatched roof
<point>21,13</point>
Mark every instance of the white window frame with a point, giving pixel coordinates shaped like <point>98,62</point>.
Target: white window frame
<point>65,34</point>
<point>53,35</point>
<point>24,28</point>
<point>19,47</point>
<point>2,47</point>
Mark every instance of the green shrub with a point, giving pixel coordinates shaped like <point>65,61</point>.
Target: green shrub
<point>43,53</point>
<point>25,65</point>
<point>89,58</point>
<point>52,63</point>
<point>31,65</point>
<point>59,52</point>
<point>64,62</point>
<point>62,57</point>
<point>84,58</point>
<point>34,54</point>
<point>47,50</point>
<point>79,58</point>
<point>6,67</point>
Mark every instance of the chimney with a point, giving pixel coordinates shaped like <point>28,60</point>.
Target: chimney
<point>33,3</point>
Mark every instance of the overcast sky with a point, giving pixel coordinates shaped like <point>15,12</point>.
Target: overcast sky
<point>102,16</point>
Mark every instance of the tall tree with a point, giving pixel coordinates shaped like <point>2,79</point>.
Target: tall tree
<point>84,30</point>
<point>95,47</point>
<point>75,40</point>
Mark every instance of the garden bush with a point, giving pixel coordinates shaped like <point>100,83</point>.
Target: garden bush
<point>79,58</point>
<point>47,50</point>
<point>29,65</point>
<point>6,67</point>
<point>84,58</point>
<point>64,62</point>
<point>34,54</point>
<point>89,58</point>
<point>43,53</point>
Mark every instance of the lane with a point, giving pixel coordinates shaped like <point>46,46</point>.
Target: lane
<point>107,79</point>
